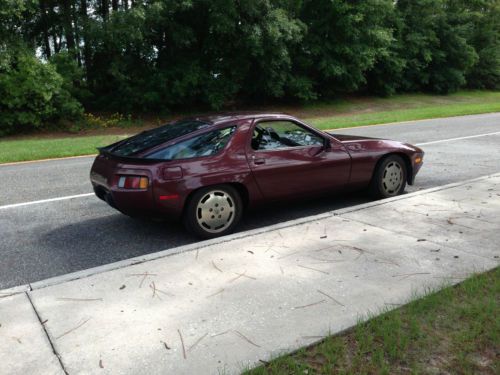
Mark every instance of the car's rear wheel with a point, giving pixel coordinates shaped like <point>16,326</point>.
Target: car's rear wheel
<point>389,178</point>
<point>213,211</point>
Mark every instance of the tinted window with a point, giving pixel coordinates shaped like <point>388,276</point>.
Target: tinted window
<point>155,137</point>
<point>203,145</point>
<point>281,134</point>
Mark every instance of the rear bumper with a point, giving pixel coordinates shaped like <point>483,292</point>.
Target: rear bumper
<point>137,203</point>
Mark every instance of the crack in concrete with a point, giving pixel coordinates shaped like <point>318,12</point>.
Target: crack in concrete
<point>58,356</point>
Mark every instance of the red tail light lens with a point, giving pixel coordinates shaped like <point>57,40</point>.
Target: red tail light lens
<point>133,182</point>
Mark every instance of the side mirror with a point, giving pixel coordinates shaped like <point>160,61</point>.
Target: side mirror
<point>327,145</point>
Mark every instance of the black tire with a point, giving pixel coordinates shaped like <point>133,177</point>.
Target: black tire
<point>213,211</point>
<point>389,179</point>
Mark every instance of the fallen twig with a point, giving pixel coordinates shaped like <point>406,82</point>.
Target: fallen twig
<point>215,266</point>
<point>182,342</point>
<point>144,275</point>
<point>320,260</point>
<point>451,222</point>
<point>72,329</point>
<point>214,294</point>
<point>197,342</point>
<point>311,304</point>
<point>333,299</point>
<point>153,287</point>
<point>287,255</point>
<point>404,276</point>
<point>313,269</point>
<point>221,333</point>
<point>241,275</point>
<point>165,345</point>
<point>387,261</point>
<point>246,338</point>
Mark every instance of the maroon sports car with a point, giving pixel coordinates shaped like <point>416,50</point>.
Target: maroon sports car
<point>207,170</point>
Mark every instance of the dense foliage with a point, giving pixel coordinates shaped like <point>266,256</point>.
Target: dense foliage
<point>159,55</point>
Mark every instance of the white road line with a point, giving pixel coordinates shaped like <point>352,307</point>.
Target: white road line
<point>456,139</point>
<point>46,201</point>
<point>89,194</point>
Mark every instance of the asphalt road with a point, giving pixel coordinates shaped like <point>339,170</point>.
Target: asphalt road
<point>51,238</point>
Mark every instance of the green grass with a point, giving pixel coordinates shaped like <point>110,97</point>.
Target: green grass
<point>453,331</point>
<point>409,108</point>
<point>36,149</point>
<point>343,113</point>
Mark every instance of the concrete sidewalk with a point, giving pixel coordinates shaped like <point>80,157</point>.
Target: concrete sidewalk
<point>221,306</point>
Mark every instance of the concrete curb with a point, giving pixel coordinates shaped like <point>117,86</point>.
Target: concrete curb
<point>14,290</point>
<point>195,246</point>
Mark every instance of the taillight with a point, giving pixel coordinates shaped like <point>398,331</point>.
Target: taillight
<point>133,182</point>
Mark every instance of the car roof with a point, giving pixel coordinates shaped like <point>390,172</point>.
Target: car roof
<point>219,118</point>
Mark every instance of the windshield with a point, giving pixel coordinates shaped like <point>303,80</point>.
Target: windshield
<point>154,137</point>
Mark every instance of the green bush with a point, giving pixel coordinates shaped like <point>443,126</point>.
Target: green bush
<point>32,94</point>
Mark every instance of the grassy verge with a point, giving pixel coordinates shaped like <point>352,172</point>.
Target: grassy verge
<point>410,114</point>
<point>454,331</point>
<point>36,149</point>
<point>344,113</point>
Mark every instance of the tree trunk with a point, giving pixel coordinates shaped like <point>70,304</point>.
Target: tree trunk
<point>84,18</point>
<point>45,27</point>
<point>74,15</point>
<point>114,5</point>
<point>68,26</point>
<point>105,9</point>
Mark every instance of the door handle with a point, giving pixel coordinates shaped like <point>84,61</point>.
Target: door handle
<point>258,161</point>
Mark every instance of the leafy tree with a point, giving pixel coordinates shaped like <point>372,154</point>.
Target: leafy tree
<point>344,40</point>
<point>484,36</point>
<point>434,46</point>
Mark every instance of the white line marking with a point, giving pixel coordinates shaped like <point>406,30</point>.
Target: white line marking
<point>456,139</point>
<point>89,194</point>
<point>45,201</point>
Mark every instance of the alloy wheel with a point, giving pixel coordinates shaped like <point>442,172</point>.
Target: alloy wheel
<point>392,178</point>
<point>215,211</point>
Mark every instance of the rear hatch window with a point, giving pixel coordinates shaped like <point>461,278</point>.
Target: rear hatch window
<point>154,137</point>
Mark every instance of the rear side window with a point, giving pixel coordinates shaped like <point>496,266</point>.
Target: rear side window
<point>154,137</point>
<point>205,144</point>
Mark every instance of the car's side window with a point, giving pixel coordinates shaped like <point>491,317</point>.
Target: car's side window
<point>205,144</point>
<point>270,135</point>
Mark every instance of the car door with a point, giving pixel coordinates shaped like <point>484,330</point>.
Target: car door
<point>288,159</point>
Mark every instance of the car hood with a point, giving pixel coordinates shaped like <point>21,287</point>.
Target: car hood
<point>344,138</point>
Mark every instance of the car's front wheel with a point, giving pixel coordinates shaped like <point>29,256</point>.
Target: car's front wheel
<point>389,178</point>
<point>213,211</point>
